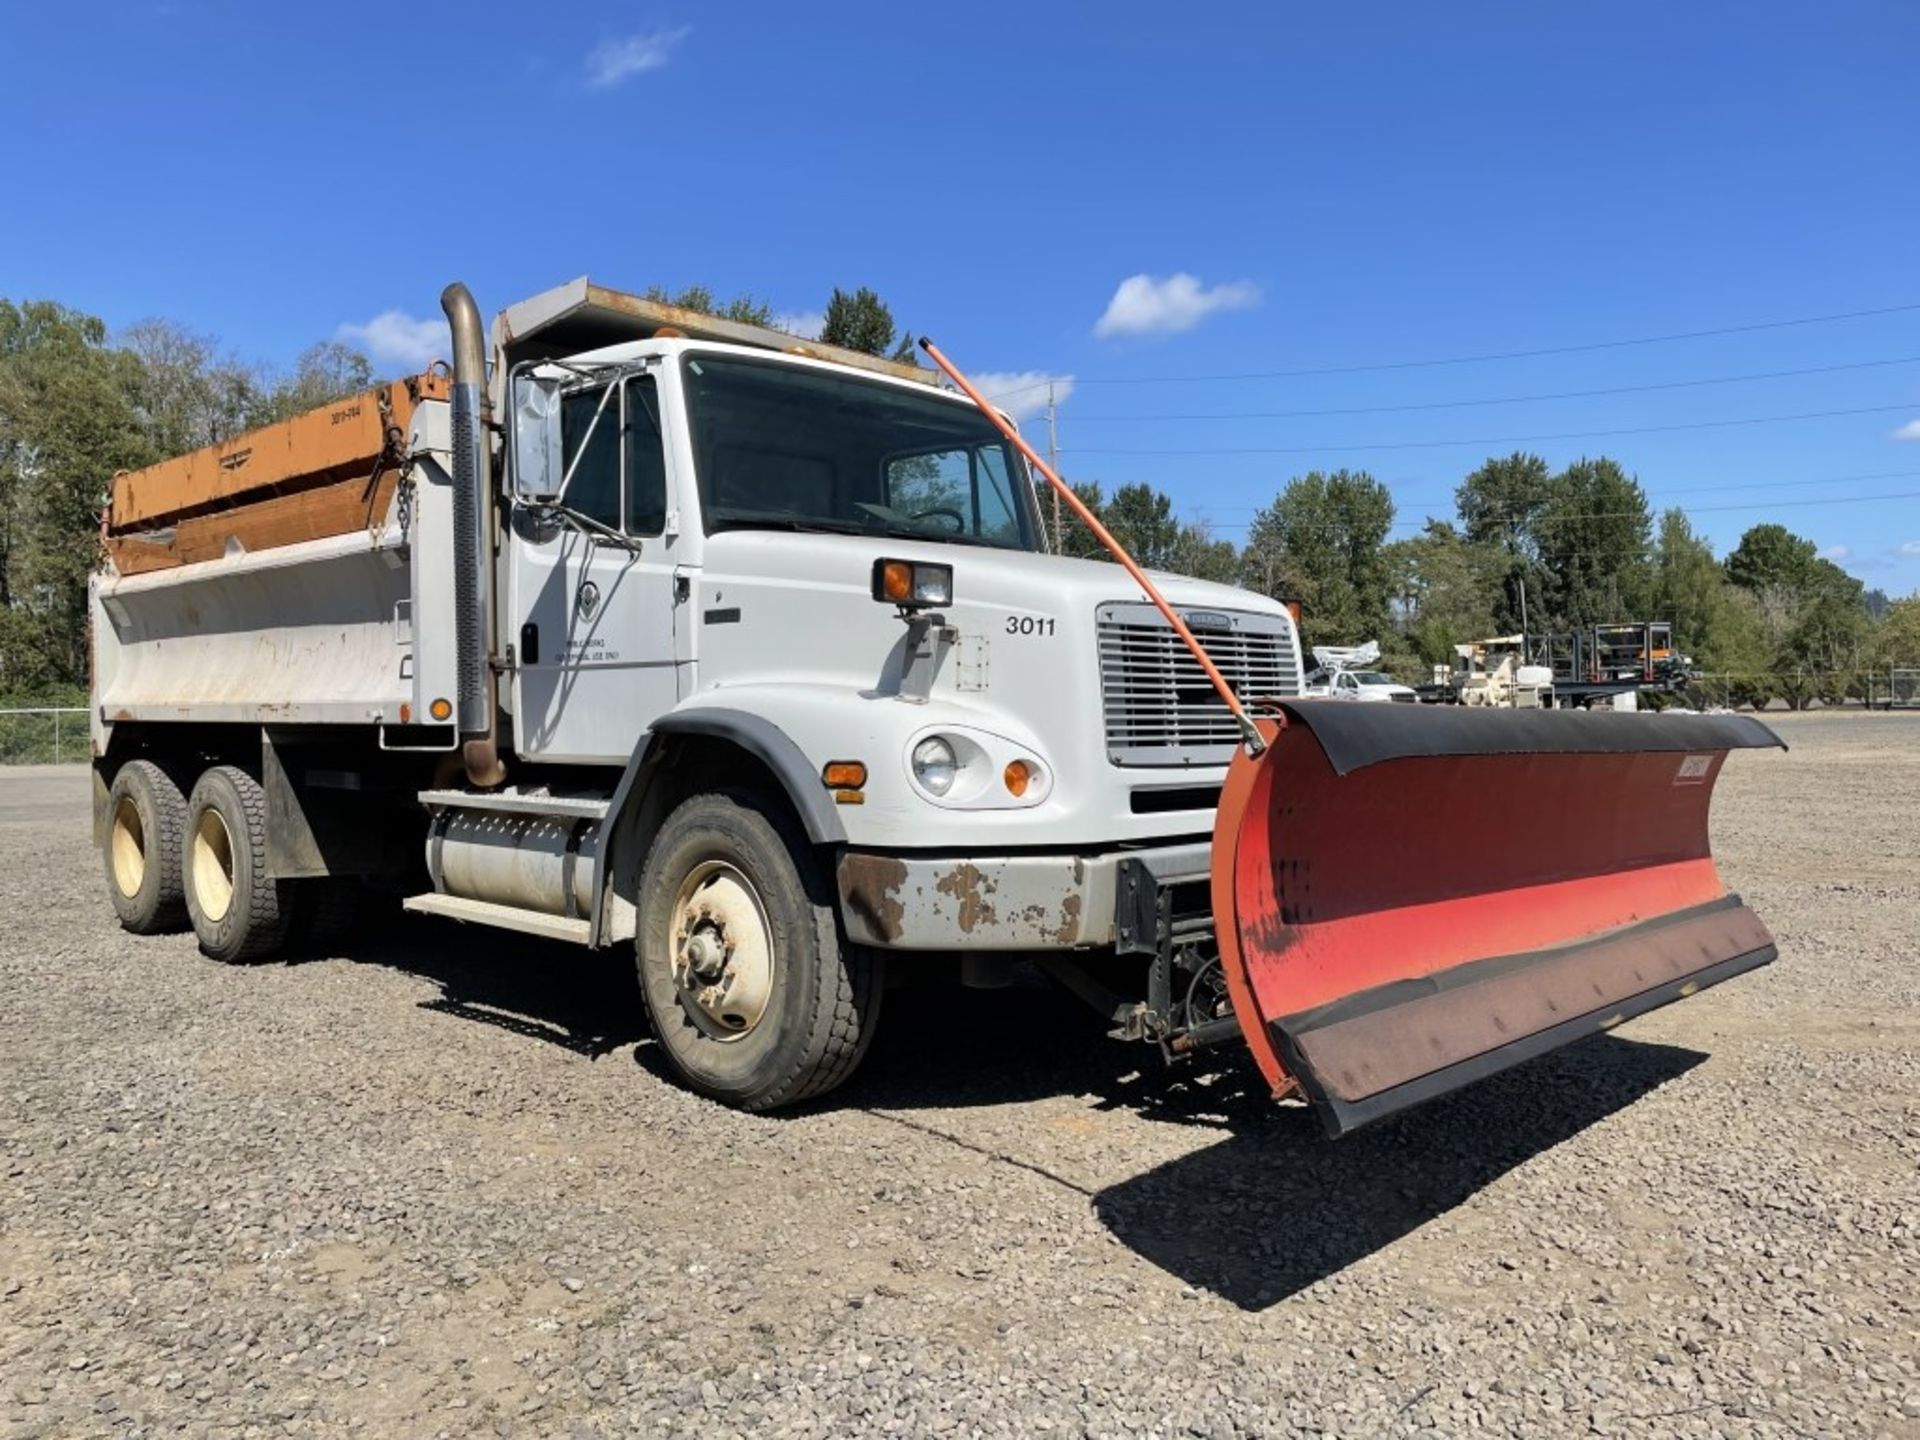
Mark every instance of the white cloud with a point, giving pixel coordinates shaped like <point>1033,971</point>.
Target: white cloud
<point>1837,553</point>
<point>1910,547</point>
<point>395,336</point>
<point>615,61</point>
<point>1144,305</point>
<point>807,324</point>
<point>1022,393</point>
<point>1908,431</point>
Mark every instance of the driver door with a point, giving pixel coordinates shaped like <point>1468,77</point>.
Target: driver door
<point>593,618</point>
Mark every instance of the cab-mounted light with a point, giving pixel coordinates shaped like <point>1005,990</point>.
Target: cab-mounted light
<point>912,584</point>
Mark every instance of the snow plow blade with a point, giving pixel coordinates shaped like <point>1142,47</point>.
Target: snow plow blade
<point>1410,899</point>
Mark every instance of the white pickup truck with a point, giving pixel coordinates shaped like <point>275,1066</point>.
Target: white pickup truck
<point>654,629</point>
<point>1344,673</point>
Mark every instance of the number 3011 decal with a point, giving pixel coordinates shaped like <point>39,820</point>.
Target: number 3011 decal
<point>1030,625</point>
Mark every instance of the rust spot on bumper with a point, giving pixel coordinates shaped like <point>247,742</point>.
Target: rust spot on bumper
<point>969,889</point>
<point>870,888</point>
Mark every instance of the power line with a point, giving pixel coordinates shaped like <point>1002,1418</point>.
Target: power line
<point>1489,357</point>
<point>1551,518</point>
<point>1514,399</point>
<point>1496,439</point>
<point>1400,497</point>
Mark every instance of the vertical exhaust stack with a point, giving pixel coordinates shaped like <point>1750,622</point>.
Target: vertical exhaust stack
<point>476,712</point>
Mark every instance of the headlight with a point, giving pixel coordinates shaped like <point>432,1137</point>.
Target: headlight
<point>934,766</point>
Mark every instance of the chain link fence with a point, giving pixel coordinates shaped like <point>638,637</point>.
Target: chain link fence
<point>1876,689</point>
<point>42,734</point>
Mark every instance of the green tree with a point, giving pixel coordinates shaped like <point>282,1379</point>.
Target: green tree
<point>862,321</point>
<point>1197,552</point>
<point>1592,539</point>
<point>1141,518</point>
<point>1322,542</point>
<point>1896,639</point>
<point>1716,624</point>
<point>1772,555</point>
<point>1499,505</point>
<point>188,394</point>
<point>325,372</point>
<point>743,308</point>
<point>1812,614</point>
<point>68,422</point>
<point>1500,501</point>
<point>1076,539</point>
<point>1446,588</point>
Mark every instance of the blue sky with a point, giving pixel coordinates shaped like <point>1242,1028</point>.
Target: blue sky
<point>1342,186</point>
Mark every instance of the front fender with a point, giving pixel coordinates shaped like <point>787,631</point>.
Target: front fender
<point>773,747</point>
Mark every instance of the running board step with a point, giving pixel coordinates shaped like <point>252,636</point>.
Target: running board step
<point>558,807</point>
<point>501,917</point>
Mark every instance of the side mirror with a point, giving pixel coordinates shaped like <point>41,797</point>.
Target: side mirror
<point>536,438</point>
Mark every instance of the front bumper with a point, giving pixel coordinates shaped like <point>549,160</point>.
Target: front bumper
<point>998,902</point>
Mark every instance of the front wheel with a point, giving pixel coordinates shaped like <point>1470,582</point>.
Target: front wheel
<point>754,997</point>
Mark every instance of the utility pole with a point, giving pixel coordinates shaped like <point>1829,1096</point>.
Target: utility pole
<point>1053,459</point>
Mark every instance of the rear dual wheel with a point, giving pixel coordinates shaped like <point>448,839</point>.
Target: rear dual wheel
<point>238,911</point>
<point>146,820</point>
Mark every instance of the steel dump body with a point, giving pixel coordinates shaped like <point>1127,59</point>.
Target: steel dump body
<point>273,578</point>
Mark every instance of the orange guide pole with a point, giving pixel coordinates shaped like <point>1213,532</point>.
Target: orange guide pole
<point>1255,743</point>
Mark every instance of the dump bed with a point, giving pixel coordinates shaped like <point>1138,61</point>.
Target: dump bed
<point>328,472</point>
<point>286,576</point>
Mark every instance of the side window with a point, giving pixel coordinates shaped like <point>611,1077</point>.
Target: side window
<point>646,459</point>
<point>998,517</point>
<point>594,484</point>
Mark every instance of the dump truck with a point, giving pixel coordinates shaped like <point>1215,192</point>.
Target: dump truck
<point>643,629</point>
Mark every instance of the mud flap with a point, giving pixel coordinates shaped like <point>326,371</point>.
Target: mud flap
<point>1410,899</point>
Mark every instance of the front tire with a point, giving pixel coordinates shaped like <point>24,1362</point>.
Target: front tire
<point>755,999</point>
<point>146,820</point>
<point>238,912</point>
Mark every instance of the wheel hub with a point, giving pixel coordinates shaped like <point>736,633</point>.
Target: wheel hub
<point>722,948</point>
<point>212,865</point>
<point>128,848</point>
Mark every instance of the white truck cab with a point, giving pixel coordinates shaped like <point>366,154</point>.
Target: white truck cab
<point>730,647</point>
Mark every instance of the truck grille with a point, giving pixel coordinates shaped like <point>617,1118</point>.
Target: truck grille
<point>1160,707</point>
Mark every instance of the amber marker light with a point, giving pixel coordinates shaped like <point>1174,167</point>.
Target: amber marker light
<point>896,581</point>
<point>441,709</point>
<point>1018,775</point>
<point>844,774</point>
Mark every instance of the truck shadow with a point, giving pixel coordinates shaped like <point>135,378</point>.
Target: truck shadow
<point>1267,1210</point>
<point>579,1000</point>
<point>1276,1207</point>
<point>1273,1207</point>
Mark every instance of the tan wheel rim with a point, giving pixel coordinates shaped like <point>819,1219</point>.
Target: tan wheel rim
<point>722,954</point>
<point>128,848</point>
<point>212,867</point>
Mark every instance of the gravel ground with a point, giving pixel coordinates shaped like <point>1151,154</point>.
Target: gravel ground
<point>437,1186</point>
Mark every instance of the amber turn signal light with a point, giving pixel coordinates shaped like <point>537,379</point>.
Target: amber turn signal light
<point>441,709</point>
<point>1018,775</point>
<point>844,774</point>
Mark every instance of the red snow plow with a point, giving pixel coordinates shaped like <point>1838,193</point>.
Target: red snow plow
<point>1406,899</point>
<point>1410,899</point>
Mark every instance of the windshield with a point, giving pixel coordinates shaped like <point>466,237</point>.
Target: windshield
<point>777,446</point>
<point>1373,677</point>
